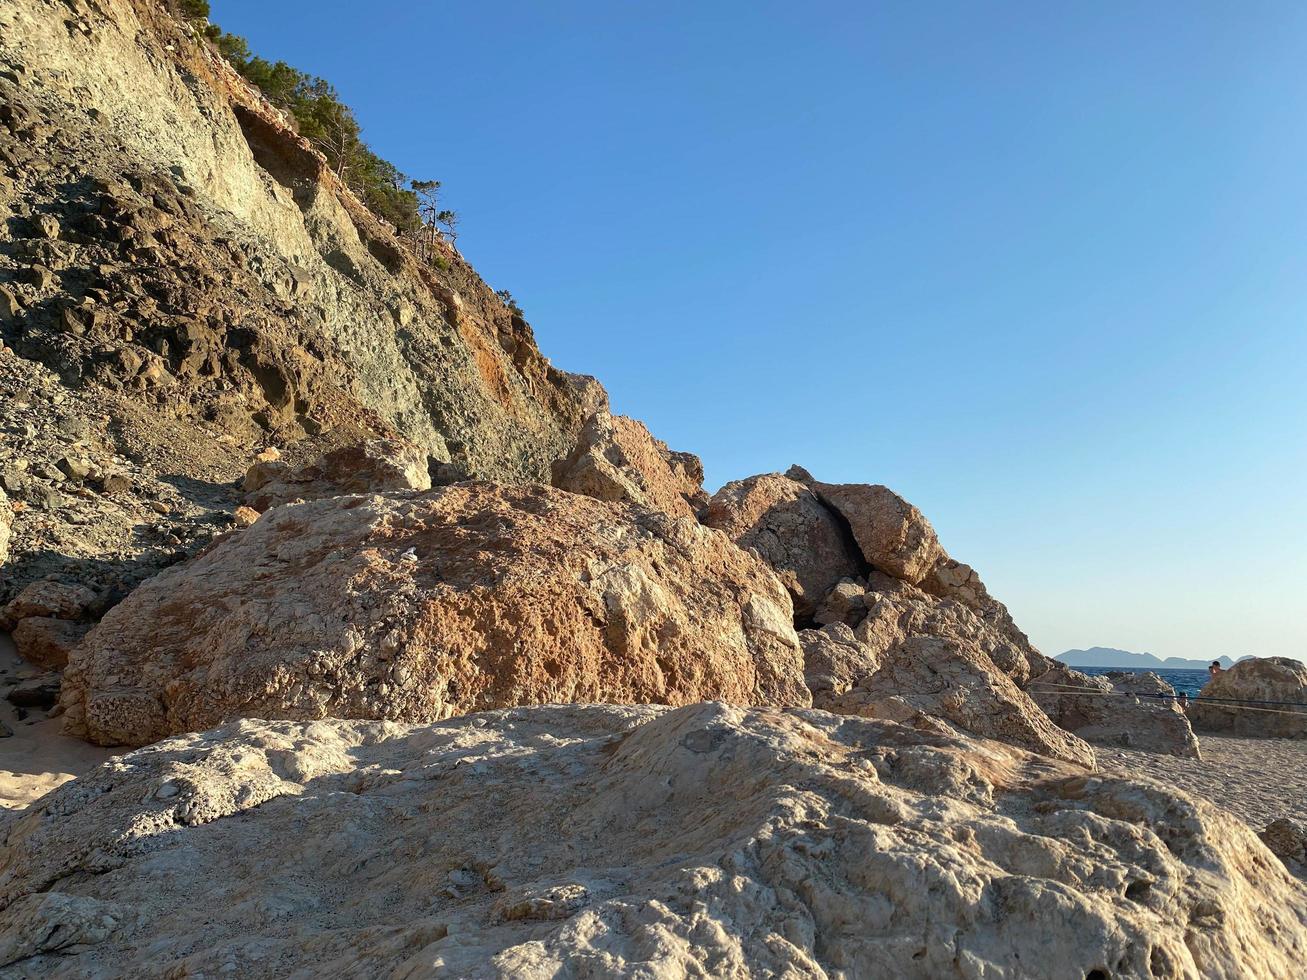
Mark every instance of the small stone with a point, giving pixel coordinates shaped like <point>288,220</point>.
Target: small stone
<point>46,225</point>
<point>70,321</point>
<point>116,483</point>
<point>9,305</point>
<point>39,276</point>
<point>74,469</point>
<point>74,428</point>
<point>13,476</point>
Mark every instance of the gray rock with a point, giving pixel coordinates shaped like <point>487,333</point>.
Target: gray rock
<point>36,692</point>
<point>74,469</point>
<point>609,841</point>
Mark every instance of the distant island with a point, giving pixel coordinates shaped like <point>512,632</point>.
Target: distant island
<point>1108,657</point>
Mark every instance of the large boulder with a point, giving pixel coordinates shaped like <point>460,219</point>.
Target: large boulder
<point>1259,696</point>
<point>1145,683</point>
<point>784,522</point>
<point>892,610</point>
<point>632,841</point>
<point>922,636</point>
<point>368,466</point>
<point>894,536</point>
<point>1110,713</point>
<point>618,459</point>
<point>419,606</point>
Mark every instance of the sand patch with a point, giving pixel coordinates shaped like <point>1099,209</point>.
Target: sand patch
<point>1256,779</point>
<point>37,757</point>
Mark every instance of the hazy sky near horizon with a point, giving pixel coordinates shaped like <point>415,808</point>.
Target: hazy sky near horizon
<point>1041,268</point>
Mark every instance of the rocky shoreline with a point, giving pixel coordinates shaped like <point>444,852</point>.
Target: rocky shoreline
<point>351,637</point>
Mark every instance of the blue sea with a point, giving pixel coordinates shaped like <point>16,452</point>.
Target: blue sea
<point>1188,681</point>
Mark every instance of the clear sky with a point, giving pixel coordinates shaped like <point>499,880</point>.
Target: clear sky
<point>1040,267</point>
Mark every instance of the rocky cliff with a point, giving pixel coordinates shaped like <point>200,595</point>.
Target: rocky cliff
<point>183,281</point>
<point>186,286</point>
<point>268,472</point>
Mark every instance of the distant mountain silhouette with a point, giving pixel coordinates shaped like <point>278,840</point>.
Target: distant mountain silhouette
<point>1108,657</point>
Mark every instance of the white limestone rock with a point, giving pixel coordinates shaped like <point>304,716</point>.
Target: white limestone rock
<point>632,841</point>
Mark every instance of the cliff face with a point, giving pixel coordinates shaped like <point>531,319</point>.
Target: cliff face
<point>183,280</point>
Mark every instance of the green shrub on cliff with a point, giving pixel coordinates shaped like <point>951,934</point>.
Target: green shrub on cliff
<point>191,9</point>
<point>327,123</point>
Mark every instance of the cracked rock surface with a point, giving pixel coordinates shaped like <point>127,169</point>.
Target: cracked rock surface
<point>599,840</point>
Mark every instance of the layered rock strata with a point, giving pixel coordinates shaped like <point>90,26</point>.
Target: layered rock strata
<point>183,280</point>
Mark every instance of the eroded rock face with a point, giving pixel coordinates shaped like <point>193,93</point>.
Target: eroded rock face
<point>894,536</point>
<point>609,841</point>
<point>371,466</point>
<point>419,606</point>
<point>791,530</point>
<point>914,657</point>
<point>1250,684</point>
<point>896,610</point>
<point>951,579</point>
<point>617,459</point>
<point>1101,716</point>
<point>177,258</point>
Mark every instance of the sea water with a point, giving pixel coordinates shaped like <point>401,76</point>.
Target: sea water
<point>1187,681</point>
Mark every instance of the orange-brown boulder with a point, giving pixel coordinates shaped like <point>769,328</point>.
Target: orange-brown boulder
<point>419,606</point>
<point>791,530</point>
<point>47,642</point>
<point>893,535</point>
<point>618,459</point>
<point>50,598</point>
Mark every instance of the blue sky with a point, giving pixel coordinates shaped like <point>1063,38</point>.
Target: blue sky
<point>1038,267</point>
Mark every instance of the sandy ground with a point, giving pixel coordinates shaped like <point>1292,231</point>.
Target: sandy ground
<point>36,758</point>
<point>1257,779</point>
